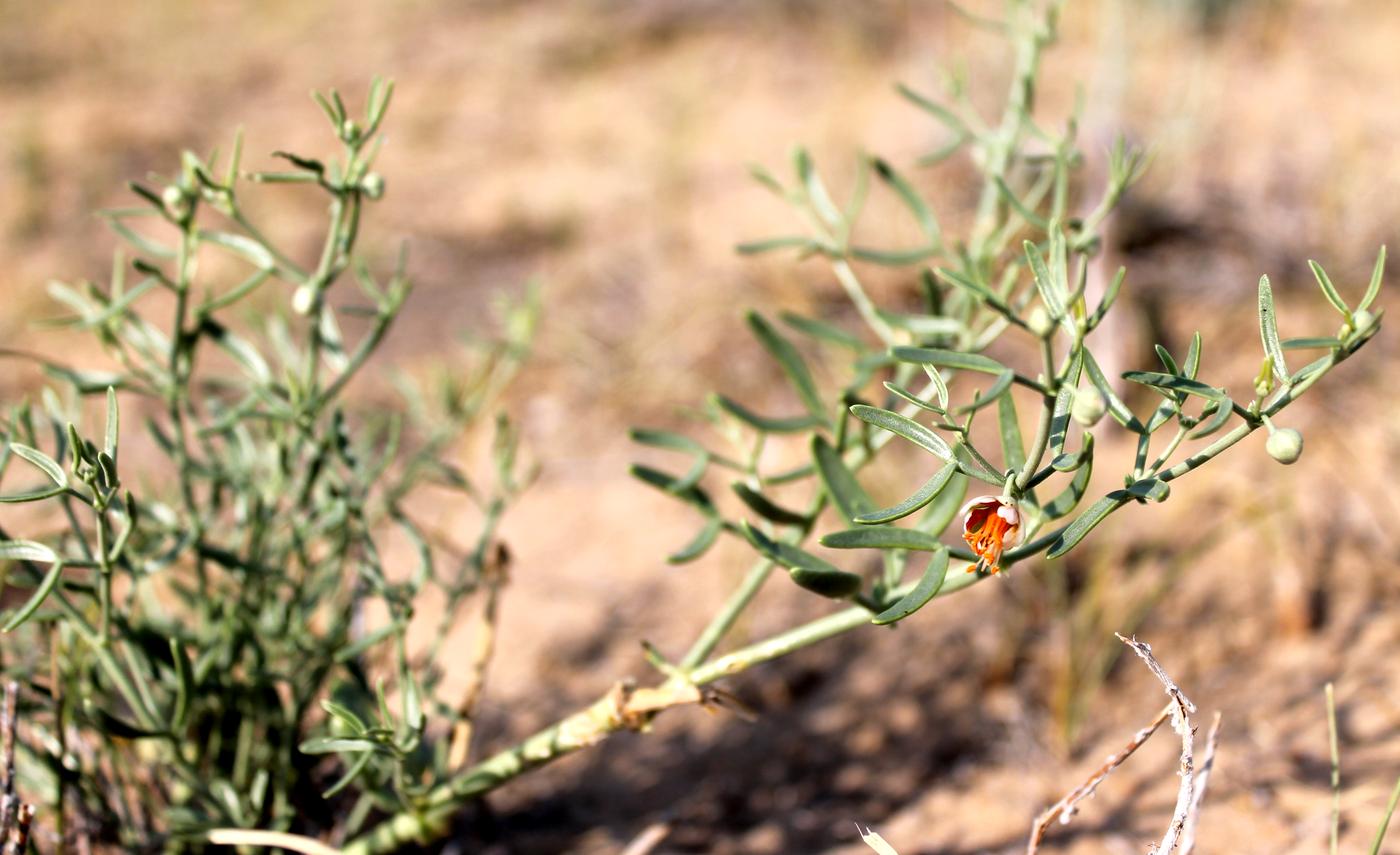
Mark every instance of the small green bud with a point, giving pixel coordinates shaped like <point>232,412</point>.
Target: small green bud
<point>1285,445</point>
<point>1089,406</point>
<point>372,185</point>
<point>350,131</point>
<point>1362,319</point>
<point>1040,323</point>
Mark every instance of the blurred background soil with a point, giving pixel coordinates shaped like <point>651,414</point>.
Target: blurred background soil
<point>601,145</point>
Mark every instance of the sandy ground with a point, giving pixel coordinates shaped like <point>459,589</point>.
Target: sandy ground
<point>601,146</point>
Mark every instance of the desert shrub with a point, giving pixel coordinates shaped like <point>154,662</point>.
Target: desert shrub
<point>226,646</point>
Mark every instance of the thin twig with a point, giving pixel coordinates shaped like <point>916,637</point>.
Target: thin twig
<point>1181,709</point>
<point>650,838</point>
<point>1065,808</point>
<point>1188,834</point>
<point>495,578</point>
<point>279,839</point>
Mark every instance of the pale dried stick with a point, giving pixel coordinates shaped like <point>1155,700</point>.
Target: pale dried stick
<point>650,838</point>
<point>1188,834</point>
<point>1181,709</point>
<point>483,650</point>
<point>1065,808</point>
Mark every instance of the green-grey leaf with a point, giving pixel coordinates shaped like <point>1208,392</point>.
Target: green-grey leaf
<point>765,507</point>
<point>1064,403</point>
<point>756,247</point>
<point>822,331</point>
<point>1048,285</point>
<point>928,224</point>
<point>1315,343</point>
<point>1085,522</point>
<point>1328,289</point>
<point>991,394</point>
<point>246,248</point>
<point>845,492</point>
<point>1175,383</point>
<point>882,537</point>
<point>109,442</point>
<point>1217,421</point>
<point>948,359</point>
<point>701,544</point>
<point>1268,331</point>
<point>913,399</point>
<point>925,590</point>
<point>807,570</point>
<point>794,424</point>
<point>1116,407</point>
<point>656,478</point>
<point>925,494</point>
<point>676,442</point>
<point>945,506</point>
<point>971,465</point>
<point>905,427</point>
<point>1150,488</point>
<point>45,463</point>
<point>41,593</point>
<point>1374,288</point>
<point>790,361</point>
<point>1068,500</point>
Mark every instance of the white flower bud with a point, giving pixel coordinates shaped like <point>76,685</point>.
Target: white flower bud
<point>1039,322</point>
<point>1089,406</point>
<point>372,185</point>
<point>1285,445</point>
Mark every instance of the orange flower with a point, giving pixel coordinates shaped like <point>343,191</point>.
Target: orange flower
<point>991,524</point>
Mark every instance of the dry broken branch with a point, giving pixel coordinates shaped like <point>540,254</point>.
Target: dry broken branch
<point>1188,834</point>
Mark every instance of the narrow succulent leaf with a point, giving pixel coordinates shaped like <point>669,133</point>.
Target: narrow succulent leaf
<point>1268,331</point>
<point>1168,361</point>
<point>1218,417</point>
<point>1319,364</point>
<point>1064,403</point>
<point>892,257</point>
<point>1085,522</point>
<point>338,745</point>
<point>790,361</point>
<point>945,506</point>
<point>41,592</point>
<point>993,393</point>
<point>1069,499</point>
<point>822,331</point>
<point>1374,288</point>
<point>1175,383</point>
<point>676,442</point>
<point>922,497</point>
<point>45,463</point>
<point>1051,294</point>
<point>924,325</point>
<point>1150,488</point>
<point>1329,290</point>
<point>1193,357</point>
<point>662,481</point>
<point>1110,294</point>
<point>184,686</point>
<point>249,250</point>
<point>758,247</point>
<point>1116,407</point>
<point>701,544</point>
<point>794,424</point>
<point>928,224</point>
<point>807,570</point>
<point>925,590</point>
<point>905,427</point>
<point>766,507</point>
<point>948,359</point>
<point>1311,343</point>
<point>841,485</point>
<point>882,537</point>
<point>1031,217</point>
<point>913,399</point>
<point>933,108</point>
<point>969,464</point>
<point>113,425</point>
<point>815,189</point>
